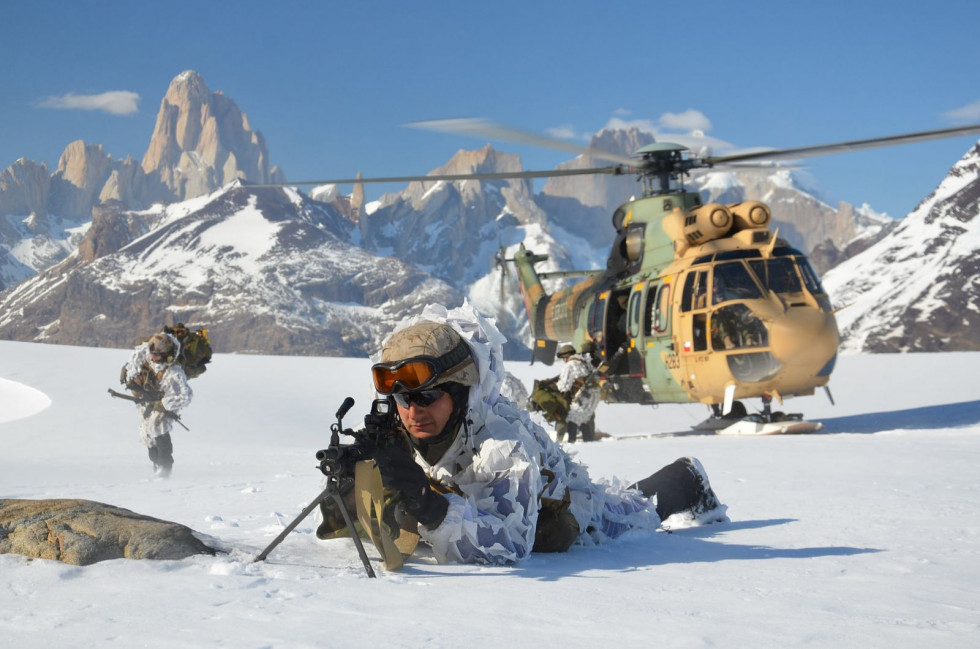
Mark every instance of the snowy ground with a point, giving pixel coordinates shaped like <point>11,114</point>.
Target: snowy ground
<point>866,534</point>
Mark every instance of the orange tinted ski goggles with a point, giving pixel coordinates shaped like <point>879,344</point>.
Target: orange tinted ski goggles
<point>410,374</point>
<point>418,372</point>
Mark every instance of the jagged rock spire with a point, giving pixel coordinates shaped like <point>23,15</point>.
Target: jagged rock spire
<point>202,141</point>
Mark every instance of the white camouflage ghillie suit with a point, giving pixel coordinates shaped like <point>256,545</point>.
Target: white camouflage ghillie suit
<point>509,482</point>
<point>513,389</point>
<point>168,381</point>
<point>585,399</point>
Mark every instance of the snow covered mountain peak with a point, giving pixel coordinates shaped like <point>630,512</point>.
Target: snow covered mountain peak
<point>918,288</point>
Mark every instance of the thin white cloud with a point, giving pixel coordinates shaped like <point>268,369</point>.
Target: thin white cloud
<point>689,120</point>
<point>968,113</point>
<point>114,102</point>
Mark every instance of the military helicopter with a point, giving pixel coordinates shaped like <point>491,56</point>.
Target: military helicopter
<point>699,303</point>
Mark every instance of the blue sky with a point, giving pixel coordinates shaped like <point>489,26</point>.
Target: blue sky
<point>331,84</point>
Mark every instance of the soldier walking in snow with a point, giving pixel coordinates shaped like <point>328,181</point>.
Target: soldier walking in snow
<point>160,388</point>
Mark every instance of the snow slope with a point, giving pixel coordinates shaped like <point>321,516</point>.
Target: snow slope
<point>867,534</point>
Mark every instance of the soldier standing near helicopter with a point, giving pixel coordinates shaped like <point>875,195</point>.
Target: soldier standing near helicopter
<point>579,383</point>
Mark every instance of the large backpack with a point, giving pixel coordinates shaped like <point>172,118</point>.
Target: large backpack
<point>195,348</point>
<point>547,399</point>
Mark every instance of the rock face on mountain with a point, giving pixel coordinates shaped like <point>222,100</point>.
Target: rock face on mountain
<point>266,270</point>
<point>918,288</point>
<point>75,186</point>
<point>24,188</point>
<point>448,228</point>
<point>202,141</point>
<point>583,205</point>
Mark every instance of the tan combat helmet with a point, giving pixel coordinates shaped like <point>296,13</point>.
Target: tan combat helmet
<point>422,356</point>
<point>565,351</point>
<point>162,345</point>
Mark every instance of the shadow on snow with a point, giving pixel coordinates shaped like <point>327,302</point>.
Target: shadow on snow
<point>951,415</point>
<point>640,551</point>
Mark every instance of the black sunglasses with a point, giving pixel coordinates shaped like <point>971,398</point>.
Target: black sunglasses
<point>421,398</point>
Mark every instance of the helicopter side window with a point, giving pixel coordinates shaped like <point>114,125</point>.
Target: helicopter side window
<point>597,311</point>
<point>778,274</point>
<point>695,291</point>
<point>658,310</point>
<point>699,331</point>
<point>732,281</point>
<point>634,317</point>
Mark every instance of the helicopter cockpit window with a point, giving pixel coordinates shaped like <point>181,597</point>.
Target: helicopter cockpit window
<point>735,327</point>
<point>809,276</point>
<point>779,275</point>
<point>732,281</point>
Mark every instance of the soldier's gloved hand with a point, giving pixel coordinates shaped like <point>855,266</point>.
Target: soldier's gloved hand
<point>158,406</point>
<point>400,473</point>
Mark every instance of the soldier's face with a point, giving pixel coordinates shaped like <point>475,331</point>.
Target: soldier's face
<point>424,422</point>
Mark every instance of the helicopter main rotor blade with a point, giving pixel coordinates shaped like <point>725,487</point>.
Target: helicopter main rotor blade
<point>477,127</point>
<point>852,145</point>
<point>503,175</point>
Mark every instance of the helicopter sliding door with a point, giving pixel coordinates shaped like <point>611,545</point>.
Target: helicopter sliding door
<point>692,325</point>
<point>623,376</point>
<point>657,345</point>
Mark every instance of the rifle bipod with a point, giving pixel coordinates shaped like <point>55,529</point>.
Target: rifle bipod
<point>332,491</point>
<point>336,463</point>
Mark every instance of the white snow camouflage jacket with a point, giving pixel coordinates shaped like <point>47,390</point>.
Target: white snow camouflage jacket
<point>586,398</point>
<point>495,464</point>
<point>177,393</point>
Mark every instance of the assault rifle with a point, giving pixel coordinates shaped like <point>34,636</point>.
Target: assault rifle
<point>338,463</point>
<point>166,413</point>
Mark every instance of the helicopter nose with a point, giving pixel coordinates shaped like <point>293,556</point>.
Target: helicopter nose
<point>804,336</point>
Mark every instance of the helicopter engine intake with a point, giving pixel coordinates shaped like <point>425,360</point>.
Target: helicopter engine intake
<point>750,214</point>
<point>697,226</point>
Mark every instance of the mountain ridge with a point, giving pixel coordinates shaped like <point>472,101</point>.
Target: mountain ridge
<point>434,238</point>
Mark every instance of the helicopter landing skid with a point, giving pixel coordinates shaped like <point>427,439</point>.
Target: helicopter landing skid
<point>755,425</point>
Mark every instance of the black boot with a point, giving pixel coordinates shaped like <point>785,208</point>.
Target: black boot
<point>162,455</point>
<point>572,432</point>
<point>680,486</point>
